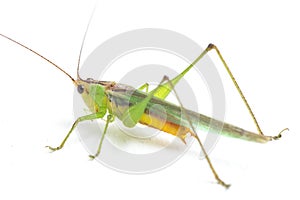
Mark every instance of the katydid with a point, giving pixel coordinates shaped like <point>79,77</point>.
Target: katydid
<point>108,99</point>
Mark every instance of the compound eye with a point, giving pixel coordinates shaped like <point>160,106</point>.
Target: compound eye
<point>80,89</point>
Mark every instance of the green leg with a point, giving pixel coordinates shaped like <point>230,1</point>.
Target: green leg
<point>145,86</point>
<point>132,115</point>
<point>80,119</point>
<point>212,46</point>
<point>194,134</point>
<point>109,119</point>
<point>165,89</point>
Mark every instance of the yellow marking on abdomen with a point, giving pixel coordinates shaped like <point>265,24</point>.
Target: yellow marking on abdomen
<point>163,125</point>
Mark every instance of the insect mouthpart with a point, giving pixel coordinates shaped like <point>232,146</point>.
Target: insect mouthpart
<point>80,89</point>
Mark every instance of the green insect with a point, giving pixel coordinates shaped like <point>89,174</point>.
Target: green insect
<point>108,99</point>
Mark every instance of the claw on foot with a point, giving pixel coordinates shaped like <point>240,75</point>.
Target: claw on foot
<point>92,157</point>
<point>53,148</point>
<point>279,134</point>
<point>227,186</point>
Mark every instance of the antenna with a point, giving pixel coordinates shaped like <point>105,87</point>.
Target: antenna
<point>82,44</point>
<point>43,57</point>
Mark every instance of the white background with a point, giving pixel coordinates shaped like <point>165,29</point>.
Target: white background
<point>259,40</point>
